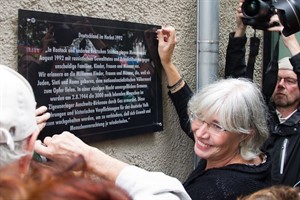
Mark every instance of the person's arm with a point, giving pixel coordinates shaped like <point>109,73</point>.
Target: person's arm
<point>180,100</point>
<point>240,30</point>
<point>142,184</point>
<point>179,91</point>
<point>295,61</point>
<point>235,65</point>
<point>291,43</point>
<point>166,45</point>
<point>64,148</point>
<point>293,46</point>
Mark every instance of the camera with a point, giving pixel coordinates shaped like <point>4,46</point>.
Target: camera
<point>39,158</point>
<point>288,12</point>
<point>257,13</point>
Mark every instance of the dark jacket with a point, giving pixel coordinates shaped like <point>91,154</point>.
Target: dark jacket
<point>227,182</point>
<point>284,142</point>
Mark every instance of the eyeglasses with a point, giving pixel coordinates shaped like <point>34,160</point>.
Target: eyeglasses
<point>213,127</point>
<point>287,80</point>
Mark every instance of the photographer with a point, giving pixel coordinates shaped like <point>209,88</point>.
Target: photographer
<point>281,90</point>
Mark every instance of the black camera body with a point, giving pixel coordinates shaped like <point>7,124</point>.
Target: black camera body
<point>288,12</point>
<point>257,13</point>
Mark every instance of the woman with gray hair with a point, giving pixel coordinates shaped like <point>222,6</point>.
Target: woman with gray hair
<point>227,121</point>
<point>234,106</point>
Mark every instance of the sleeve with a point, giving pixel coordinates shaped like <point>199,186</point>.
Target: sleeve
<point>180,100</point>
<point>295,61</point>
<point>141,184</point>
<point>270,80</point>
<point>235,65</point>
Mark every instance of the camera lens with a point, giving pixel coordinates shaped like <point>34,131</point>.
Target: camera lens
<point>289,16</point>
<point>256,8</point>
<point>257,13</point>
<point>251,8</point>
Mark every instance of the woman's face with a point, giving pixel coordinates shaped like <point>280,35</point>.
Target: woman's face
<point>213,143</point>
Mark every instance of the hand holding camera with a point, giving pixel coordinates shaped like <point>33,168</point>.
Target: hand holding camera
<point>240,26</point>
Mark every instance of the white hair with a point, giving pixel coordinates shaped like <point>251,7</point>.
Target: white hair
<point>8,156</point>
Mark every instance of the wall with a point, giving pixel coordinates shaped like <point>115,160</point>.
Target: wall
<point>169,151</point>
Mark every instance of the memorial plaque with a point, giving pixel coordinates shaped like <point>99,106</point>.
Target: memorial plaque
<point>99,78</point>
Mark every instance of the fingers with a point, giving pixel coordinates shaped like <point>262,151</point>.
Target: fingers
<point>61,146</point>
<point>166,43</point>
<point>48,140</point>
<point>275,18</point>
<point>275,29</point>
<point>40,110</point>
<point>41,148</point>
<point>42,116</point>
<point>239,12</point>
<point>275,24</point>
<point>56,155</point>
<point>239,9</point>
<point>160,36</point>
<point>51,147</point>
<point>166,34</point>
<point>169,33</point>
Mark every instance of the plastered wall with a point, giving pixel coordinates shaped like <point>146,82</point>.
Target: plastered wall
<point>169,151</point>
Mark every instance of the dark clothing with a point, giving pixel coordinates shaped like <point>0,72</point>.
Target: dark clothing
<point>180,100</point>
<point>284,142</point>
<point>227,182</point>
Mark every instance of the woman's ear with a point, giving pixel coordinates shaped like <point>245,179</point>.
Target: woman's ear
<point>24,162</point>
<point>247,136</point>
